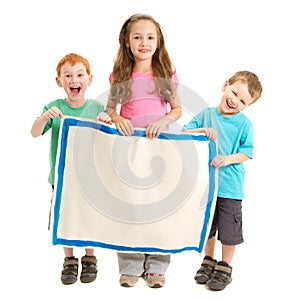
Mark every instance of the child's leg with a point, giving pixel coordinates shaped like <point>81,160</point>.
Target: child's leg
<point>68,251</point>
<point>157,264</point>
<point>89,266</point>
<point>155,268</point>
<point>131,267</point>
<point>131,263</point>
<point>210,247</point>
<point>70,267</point>
<point>89,251</point>
<point>230,233</point>
<point>228,253</point>
<point>206,269</point>
<point>208,264</point>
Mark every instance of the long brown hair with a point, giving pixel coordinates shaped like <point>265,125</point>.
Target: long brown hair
<point>162,67</point>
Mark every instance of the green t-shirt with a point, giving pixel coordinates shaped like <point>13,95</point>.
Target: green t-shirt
<point>89,110</point>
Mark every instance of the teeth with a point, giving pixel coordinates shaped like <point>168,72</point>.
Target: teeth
<point>229,105</point>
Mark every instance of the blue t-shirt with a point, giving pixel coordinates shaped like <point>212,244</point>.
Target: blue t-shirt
<point>234,134</point>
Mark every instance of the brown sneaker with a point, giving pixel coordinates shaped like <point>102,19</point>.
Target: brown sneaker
<point>89,269</point>
<point>221,276</point>
<point>128,280</point>
<point>155,280</point>
<point>206,270</point>
<point>70,270</point>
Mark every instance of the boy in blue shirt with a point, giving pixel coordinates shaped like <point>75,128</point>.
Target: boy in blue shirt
<point>234,133</point>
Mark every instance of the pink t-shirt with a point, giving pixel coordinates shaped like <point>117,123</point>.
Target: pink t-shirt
<point>144,107</point>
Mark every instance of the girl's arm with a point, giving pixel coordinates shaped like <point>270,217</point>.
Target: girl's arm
<point>174,114</point>
<point>123,125</point>
<point>154,129</point>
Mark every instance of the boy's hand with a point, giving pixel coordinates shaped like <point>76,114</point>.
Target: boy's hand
<point>104,117</point>
<point>40,123</point>
<point>52,113</point>
<point>219,161</point>
<point>209,132</point>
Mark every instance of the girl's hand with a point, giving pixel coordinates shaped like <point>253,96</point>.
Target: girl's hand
<point>104,117</point>
<point>123,125</point>
<point>154,129</point>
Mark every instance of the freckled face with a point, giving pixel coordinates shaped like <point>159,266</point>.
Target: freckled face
<point>74,80</point>
<point>235,98</point>
<point>142,39</point>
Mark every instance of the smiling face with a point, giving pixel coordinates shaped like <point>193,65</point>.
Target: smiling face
<point>74,80</point>
<point>236,97</point>
<point>142,40</point>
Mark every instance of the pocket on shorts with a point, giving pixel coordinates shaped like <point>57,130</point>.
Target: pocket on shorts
<point>237,225</point>
<point>237,218</point>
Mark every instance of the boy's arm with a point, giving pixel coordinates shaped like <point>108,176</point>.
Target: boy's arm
<point>38,126</point>
<point>225,160</point>
<point>211,133</point>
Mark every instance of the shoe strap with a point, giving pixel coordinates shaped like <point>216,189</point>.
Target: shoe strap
<point>90,259</point>
<point>71,261</point>
<point>208,262</point>
<point>223,269</point>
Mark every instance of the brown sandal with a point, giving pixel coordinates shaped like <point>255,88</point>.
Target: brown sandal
<point>89,269</point>
<point>221,276</point>
<point>70,270</point>
<point>206,270</point>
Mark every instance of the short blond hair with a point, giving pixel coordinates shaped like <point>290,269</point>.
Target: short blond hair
<point>252,81</point>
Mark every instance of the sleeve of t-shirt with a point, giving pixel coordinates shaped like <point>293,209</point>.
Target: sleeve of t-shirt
<point>175,78</point>
<point>246,142</point>
<point>196,122</point>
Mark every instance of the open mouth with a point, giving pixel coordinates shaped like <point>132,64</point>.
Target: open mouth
<point>230,105</point>
<point>75,91</point>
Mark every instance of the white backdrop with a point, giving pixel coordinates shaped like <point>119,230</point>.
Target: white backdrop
<point>208,41</point>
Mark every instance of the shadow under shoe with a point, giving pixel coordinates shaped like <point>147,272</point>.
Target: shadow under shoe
<point>206,270</point>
